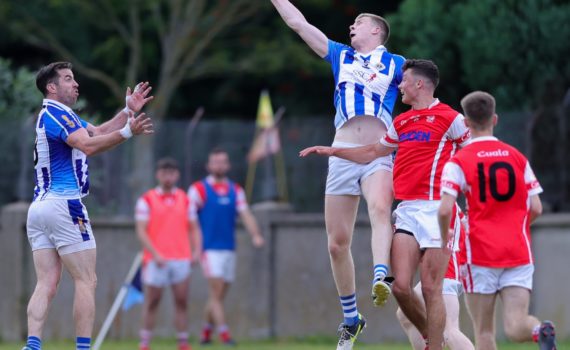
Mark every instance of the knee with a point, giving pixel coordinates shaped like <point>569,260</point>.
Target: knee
<point>401,291</point>
<point>47,291</point>
<point>153,302</point>
<point>512,331</point>
<point>181,304</point>
<point>431,289</point>
<point>89,282</point>
<point>380,211</point>
<point>339,244</point>
<point>48,288</point>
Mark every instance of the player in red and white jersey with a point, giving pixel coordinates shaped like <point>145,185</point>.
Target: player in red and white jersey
<point>452,289</point>
<point>426,137</point>
<point>502,196</point>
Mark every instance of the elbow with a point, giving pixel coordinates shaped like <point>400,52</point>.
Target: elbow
<point>443,214</point>
<point>89,150</point>
<point>535,207</point>
<point>295,24</point>
<point>536,211</point>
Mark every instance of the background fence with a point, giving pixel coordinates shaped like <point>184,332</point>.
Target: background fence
<point>112,176</point>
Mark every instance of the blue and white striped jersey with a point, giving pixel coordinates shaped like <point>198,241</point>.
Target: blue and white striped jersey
<point>365,85</point>
<point>61,171</point>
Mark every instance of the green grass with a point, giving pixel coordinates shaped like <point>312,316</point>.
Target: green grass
<point>316,344</point>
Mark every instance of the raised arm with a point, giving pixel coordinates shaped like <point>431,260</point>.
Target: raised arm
<point>91,145</point>
<point>362,154</point>
<point>316,40</point>
<point>134,101</point>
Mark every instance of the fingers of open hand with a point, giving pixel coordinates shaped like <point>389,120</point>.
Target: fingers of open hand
<point>142,125</point>
<point>306,151</point>
<point>320,150</point>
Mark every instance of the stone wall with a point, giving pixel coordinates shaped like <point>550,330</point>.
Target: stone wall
<point>284,289</point>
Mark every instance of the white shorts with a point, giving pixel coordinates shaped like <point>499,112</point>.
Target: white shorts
<point>219,264</point>
<point>345,177</point>
<point>450,287</point>
<point>172,272</point>
<point>488,280</point>
<point>61,224</point>
<point>419,219</point>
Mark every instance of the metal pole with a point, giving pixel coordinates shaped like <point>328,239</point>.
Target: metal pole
<point>188,151</point>
<point>118,301</point>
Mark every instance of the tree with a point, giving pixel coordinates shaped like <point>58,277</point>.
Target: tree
<point>176,33</point>
<point>515,49</point>
<point>18,94</point>
<point>19,99</point>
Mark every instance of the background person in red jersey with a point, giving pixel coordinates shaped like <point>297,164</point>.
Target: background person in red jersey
<point>162,217</point>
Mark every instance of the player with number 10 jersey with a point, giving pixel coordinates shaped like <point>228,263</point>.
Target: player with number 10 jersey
<point>498,181</point>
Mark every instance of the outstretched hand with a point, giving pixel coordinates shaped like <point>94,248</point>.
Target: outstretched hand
<point>319,150</point>
<point>138,97</point>
<point>141,124</point>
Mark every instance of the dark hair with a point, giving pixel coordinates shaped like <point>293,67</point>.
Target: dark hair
<point>425,68</point>
<point>479,107</point>
<point>217,150</point>
<point>167,163</point>
<point>380,22</point>
<point>49,74</point>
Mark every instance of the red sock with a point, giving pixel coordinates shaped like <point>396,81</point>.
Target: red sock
<point>535,333</point>
<point>225,336</point>
<point>206,333</point>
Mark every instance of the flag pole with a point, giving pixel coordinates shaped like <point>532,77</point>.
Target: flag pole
<point>281,177</point>
<point>250,178</point>
<point>280,172</point>
<point>118,301</point>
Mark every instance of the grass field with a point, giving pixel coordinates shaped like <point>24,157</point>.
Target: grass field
<point>319,344</point>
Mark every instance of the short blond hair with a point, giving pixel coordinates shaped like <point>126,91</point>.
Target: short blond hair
<point>380,22</point>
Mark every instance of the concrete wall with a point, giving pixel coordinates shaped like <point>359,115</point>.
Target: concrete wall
<point>285,289</point>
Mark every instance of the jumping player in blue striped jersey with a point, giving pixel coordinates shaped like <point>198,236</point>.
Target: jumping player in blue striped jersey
<point>366,87</point>
<point>58,226</point>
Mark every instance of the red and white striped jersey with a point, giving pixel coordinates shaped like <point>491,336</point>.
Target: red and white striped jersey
<point>497,181</point>
<point>426,140</point>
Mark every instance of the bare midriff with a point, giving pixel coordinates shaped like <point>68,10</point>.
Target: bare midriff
<point>361,130</point>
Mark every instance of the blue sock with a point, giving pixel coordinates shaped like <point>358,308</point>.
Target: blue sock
<point>34,343</point>
<point>82,343</point>
<point>380,271</point>
<point>349,309</point>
